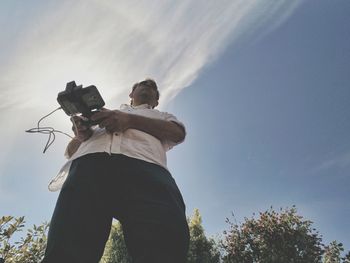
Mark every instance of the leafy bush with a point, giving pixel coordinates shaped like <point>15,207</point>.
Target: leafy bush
<point>273,238</point>
<point>30,249</point>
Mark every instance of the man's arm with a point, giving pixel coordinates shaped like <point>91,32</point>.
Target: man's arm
<point>72,147</point>
<point>161,129</point>
<point>118,121</point>
<point>82,133</point>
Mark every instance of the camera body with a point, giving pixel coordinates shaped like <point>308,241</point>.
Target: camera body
<point>76,99</point>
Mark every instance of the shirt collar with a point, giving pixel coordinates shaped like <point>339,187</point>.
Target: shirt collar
<point>142,106</point>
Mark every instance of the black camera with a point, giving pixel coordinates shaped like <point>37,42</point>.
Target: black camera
<point>76,99</point>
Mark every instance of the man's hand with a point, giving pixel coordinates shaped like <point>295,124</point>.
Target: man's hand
<point>81,130</point>
<point>112,120</point>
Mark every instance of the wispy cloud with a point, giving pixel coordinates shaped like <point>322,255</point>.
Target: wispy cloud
<point>339,161</point>
<point>113,44</point>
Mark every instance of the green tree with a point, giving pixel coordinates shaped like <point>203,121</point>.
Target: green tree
<point>273,238</point>
<point>332,252</point>
<point>202,249</point>
<point>115,250</point>
<point>346,259</point>
<point>30,249</point>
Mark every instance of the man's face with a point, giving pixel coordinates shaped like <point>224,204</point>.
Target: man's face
<point>144,94</point>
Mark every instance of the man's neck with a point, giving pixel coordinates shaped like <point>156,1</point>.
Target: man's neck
<point>141,105</point>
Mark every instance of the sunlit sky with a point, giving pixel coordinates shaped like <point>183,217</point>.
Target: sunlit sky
<point>263,88</point>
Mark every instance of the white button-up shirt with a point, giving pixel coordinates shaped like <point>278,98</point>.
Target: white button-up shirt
<point>133,143</point>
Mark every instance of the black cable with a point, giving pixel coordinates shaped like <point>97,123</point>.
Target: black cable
<point>47,130</point>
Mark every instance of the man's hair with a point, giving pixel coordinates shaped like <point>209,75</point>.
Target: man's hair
<point>147,82</point>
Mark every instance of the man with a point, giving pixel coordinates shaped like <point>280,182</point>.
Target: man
<point>118,170</point>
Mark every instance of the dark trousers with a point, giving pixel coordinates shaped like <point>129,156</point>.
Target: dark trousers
<point>142,196</point>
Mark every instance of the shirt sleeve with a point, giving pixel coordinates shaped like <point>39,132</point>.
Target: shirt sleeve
<point>170,117</point>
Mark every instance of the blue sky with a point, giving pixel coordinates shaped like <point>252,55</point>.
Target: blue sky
<point>263,90</point>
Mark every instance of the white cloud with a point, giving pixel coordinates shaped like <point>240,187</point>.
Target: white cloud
<point>113,44</point>
<point>339,161</point>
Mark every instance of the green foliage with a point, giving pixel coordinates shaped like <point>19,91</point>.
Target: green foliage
<point>346,259</point>
<point>30,249</point>
<point>201,250</point>
<point>115,250</point>
<point>332,253</point>
<point>273,238</point>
